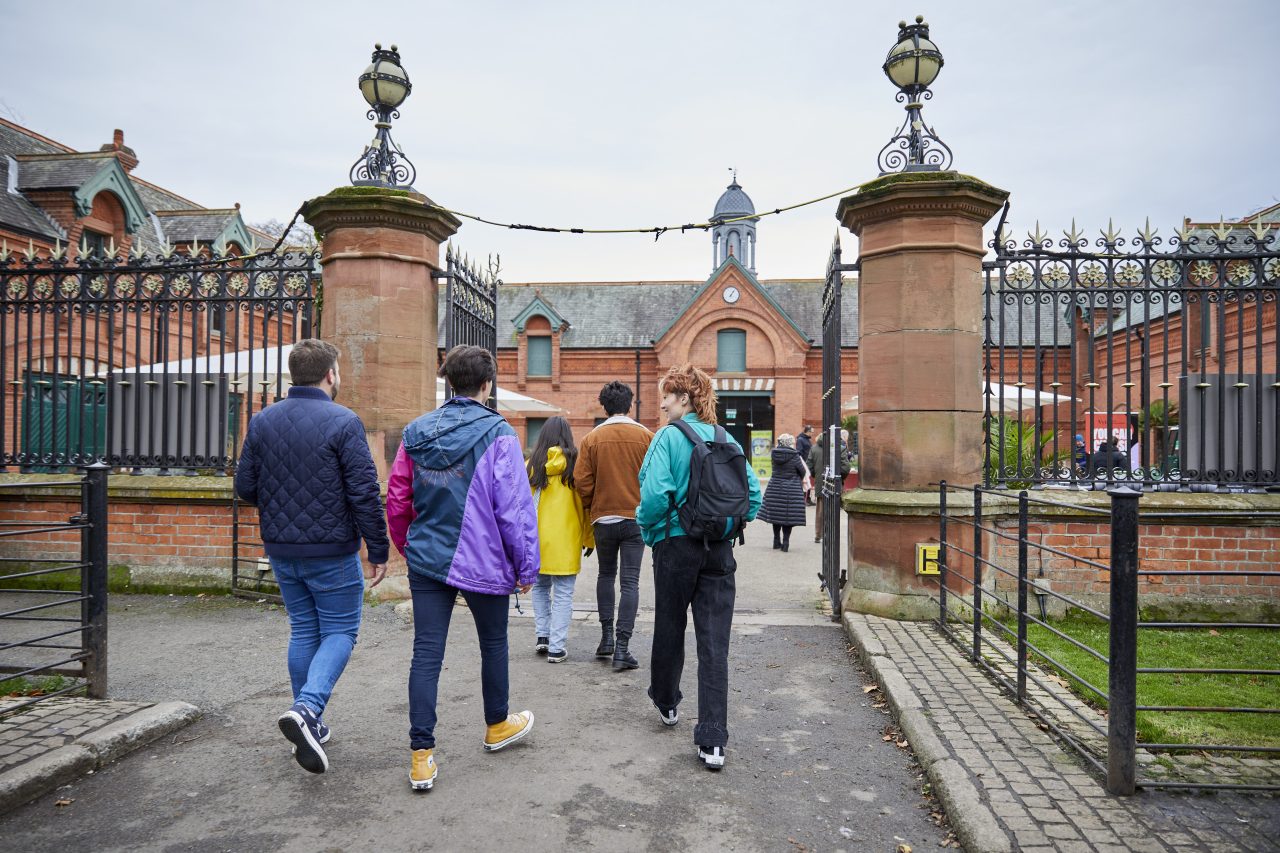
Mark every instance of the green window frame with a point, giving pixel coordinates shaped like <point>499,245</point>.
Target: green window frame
<point>532,429</point>
<point>539,363</point>
<point>731,351</point>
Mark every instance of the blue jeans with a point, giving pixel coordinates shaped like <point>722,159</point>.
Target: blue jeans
<point>323,597</point>
<point>432,608</point>
<point>553,608</point>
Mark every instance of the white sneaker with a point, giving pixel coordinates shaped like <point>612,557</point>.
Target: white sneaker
<point>712,756</point>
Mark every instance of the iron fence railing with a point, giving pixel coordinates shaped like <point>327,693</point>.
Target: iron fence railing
<point>57,632</point>
<point>969,616</point>
<point>144,362</point>
<point>1170,351</point>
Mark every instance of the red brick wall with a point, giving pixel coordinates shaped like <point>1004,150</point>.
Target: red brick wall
<point>1162,547</point>
<point>159,541</point>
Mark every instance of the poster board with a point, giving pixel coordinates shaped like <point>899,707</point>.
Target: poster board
<point>1101,426</point>
<point>762,452</point>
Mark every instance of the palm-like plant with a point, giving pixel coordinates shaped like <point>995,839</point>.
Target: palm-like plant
<point>1019,457</point>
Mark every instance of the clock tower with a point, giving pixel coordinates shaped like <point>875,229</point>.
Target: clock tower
<point>733,234</point>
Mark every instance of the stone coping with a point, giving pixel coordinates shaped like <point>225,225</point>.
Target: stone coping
<point>1076,505</point>
<point>145,487</point>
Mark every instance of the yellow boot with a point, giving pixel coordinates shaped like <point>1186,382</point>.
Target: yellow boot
<point>422,775</point>
<point>510,730</point>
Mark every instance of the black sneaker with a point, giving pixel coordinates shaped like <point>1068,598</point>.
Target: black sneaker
<point>557,657</point>
<point>670,716</point>
<point>712,757</point>
<point>300,726</point>
<point>541,645</point>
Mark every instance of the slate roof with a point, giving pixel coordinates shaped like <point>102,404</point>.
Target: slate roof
<point>15,210</point>
<point>733,202</point>
<point>21,214</point>
<point>605,315</point>
<point>70,169</point>
<point>187,225</point>
<point>59,171</point>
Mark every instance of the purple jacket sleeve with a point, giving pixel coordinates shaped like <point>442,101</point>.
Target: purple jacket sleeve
<point>513,510</point>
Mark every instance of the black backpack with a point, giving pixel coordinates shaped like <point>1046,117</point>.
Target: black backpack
<point>715,508</point>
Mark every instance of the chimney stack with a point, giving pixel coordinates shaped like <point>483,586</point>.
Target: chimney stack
<point>126,155</point>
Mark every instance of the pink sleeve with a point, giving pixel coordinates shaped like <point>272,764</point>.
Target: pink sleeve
<point>400,511</point>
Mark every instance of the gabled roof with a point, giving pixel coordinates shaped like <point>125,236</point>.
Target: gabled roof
<point>84,176</point>
<point>211,227</point>
<point>540,306</point>
<point>732,261</point>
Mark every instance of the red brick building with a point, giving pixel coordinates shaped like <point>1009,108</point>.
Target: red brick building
<point>761,339</point>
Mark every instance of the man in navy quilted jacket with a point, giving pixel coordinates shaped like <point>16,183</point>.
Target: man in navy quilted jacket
<point>307,466</point>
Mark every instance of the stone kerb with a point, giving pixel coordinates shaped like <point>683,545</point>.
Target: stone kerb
<point>380,248</point>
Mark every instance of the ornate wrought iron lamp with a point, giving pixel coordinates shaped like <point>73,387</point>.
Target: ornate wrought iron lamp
<point>912,65</point>
<point>385,85</point>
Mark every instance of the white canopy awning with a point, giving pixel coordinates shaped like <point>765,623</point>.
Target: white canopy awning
<point>252,367</point>
<point>1011,398</point>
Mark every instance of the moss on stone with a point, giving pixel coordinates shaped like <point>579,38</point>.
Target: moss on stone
<point>884,185</point>
<point>349,192</point>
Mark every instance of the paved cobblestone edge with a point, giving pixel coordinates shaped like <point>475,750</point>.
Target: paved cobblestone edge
<point>972,819</point>
<point>91,751</point>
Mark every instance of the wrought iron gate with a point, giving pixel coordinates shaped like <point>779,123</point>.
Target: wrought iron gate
<point>1169,353</point>
<point>471,307</point>
<point>830,480</point>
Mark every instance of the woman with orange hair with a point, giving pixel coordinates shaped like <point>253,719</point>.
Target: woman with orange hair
<point>688,570</point>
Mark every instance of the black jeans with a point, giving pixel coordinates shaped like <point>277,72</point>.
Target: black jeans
<point>619,542</point>
<point>687,573</point>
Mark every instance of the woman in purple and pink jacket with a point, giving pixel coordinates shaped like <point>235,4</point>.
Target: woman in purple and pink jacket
<point>460,511</point>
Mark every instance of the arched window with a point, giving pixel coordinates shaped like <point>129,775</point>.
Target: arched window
<point>731,351</point>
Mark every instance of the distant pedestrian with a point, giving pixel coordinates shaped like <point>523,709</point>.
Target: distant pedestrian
<point>306,465</point>
<point>691,571</point>
<point>804,441</point>
<point>1080,456</point>
<point>783,505</point>
<point>563,532</point>
<point>460,512</point>
<point>607,477</point>
<point>842,463</point>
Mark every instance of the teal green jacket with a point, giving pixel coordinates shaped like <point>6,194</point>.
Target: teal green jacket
<point>665,473</point>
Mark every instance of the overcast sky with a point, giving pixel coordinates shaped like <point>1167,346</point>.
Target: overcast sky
<point>593,114</point>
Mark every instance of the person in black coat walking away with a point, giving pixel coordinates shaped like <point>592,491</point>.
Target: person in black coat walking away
<point>784,498</point>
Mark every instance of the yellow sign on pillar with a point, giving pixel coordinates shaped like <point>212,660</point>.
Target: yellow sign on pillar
<point>927,558</point>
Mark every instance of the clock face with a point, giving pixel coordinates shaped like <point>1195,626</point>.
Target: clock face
<point>731,294</point>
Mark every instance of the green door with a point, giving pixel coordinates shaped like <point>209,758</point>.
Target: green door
<point>64,421</point>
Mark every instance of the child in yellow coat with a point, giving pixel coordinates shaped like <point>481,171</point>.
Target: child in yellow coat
<point>563,533</point>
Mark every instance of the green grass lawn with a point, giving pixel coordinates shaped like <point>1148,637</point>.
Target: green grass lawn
<point>1226,648</point>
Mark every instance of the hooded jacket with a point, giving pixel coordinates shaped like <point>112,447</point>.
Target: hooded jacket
<point>458,501</point>
<point>563,529</point>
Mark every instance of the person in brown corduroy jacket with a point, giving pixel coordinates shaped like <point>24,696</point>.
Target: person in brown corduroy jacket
<point>607,477</point>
